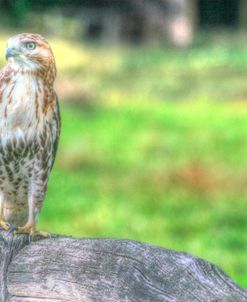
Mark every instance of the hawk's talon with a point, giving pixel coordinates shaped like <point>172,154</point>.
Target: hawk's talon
<point>31,230</point>
<point>4,225</point>
<point>11,229</point>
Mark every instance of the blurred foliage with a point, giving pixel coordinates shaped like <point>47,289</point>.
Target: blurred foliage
<point>18,11</point>
<point>172,175</point>
<point>152,149</point>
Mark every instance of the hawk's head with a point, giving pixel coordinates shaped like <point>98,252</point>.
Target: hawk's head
<point>29,52</point>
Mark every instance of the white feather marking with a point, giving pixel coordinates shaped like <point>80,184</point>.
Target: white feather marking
<point>21,111</point>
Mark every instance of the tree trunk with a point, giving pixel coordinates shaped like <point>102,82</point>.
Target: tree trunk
<point>70,269</point>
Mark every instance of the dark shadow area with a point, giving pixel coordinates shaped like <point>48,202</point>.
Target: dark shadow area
<point>220,13</point>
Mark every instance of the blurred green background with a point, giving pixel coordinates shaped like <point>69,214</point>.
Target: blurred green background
<point>154,133</point>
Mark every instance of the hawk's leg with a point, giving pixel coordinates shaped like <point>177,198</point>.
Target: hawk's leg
<point>4,225</point>
<point>29,227</point>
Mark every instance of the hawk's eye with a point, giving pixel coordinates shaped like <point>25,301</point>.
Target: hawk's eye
<point>30,45</point>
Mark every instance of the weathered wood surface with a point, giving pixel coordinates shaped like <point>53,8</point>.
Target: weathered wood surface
<point>69,269</point>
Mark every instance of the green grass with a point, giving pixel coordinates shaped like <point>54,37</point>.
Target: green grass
<point>172,175</point>
<point>153,148</point>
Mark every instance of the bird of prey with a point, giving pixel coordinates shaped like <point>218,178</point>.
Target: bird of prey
<point>29,130</point>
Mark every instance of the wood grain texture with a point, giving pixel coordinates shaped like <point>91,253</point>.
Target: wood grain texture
<point>69,269</point>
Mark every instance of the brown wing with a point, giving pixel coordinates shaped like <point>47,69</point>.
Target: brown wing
<point>55,125</point>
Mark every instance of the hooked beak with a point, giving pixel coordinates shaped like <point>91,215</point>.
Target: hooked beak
<point>10,53</point>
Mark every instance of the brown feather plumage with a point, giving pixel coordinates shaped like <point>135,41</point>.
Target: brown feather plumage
<point>29,129</point>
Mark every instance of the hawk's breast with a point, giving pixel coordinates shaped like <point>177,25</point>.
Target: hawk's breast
<point>21,106</point>
<point>24,135</point>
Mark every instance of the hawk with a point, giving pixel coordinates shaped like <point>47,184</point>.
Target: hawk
<point>29,130</point>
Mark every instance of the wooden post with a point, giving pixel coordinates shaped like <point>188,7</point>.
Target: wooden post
<point>111,270</point>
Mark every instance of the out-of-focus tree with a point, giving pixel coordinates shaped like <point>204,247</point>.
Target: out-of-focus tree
<point>134,21</point>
